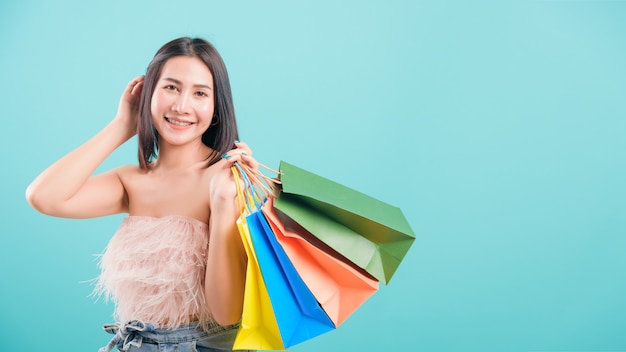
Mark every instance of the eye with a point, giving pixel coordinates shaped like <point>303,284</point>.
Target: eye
<point>201,94</point>
<point>170,87</point>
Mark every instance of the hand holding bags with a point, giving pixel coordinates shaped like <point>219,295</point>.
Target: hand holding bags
<point>315,253</point>
<point>291,307</point>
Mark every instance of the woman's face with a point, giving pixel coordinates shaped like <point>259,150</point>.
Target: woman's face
<point>183,101</point>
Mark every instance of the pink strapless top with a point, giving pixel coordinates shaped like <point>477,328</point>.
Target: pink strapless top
<point>153,269</point>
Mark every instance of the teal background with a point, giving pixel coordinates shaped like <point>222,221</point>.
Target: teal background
<point>498,128</point>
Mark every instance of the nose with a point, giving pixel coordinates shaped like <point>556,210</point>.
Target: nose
<point>181,104</point>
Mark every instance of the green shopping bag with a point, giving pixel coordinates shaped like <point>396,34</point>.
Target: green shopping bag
<point>372,234</point>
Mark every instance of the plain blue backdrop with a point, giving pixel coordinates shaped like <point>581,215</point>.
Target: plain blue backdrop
<point>497,127</point>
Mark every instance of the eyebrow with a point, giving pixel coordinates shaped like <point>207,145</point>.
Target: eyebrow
<point>174,80</point>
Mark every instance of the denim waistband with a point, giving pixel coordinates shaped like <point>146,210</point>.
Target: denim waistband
<point>136,332</point>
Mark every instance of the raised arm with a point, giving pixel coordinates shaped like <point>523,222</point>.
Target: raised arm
<point>226,260</point>
<point>68,189</point>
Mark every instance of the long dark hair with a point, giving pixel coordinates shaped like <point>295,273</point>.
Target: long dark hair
<point>222,133</point>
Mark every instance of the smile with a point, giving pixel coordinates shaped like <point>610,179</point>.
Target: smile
<point>177,122</point>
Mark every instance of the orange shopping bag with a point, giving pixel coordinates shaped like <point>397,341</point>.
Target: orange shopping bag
<point>339,286</point>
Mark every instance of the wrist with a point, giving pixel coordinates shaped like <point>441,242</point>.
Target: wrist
<point>120,130</point>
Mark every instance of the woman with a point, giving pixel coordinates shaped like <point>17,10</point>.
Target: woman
<point>176,266</point>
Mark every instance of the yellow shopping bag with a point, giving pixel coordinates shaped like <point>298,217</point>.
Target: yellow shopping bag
<point>258,329</point>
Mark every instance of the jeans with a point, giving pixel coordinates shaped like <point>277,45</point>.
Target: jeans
<point>136,336</point>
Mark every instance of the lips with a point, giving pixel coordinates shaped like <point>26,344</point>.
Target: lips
<point>177,122</point>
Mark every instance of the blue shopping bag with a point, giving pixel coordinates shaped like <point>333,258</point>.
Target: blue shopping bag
<point>298,314</point>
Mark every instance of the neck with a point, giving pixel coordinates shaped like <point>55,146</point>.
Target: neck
<point>173,157</point>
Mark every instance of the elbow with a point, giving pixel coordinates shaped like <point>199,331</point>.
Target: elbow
<point>31,198</point>
<point>227,314</point>
<point>36,201</point>
<point>224,310</point>
<point>226,319</point>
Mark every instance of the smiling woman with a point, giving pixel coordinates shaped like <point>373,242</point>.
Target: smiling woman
<point>181,103</point>
<point>181,68</point>
<point>176,266</point>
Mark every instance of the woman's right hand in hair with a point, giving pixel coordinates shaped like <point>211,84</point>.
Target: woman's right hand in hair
<point>128,109</point>
<point>68,188</point>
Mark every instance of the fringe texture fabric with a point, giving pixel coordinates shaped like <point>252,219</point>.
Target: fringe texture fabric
<point>153,270</point>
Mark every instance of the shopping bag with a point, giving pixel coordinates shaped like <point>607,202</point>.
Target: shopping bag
<point>339,287</point>
<point>293,308</point>
<point>372,234</point>
<point>360,234</point>
<point>258,329</point>
<point>298,314</point>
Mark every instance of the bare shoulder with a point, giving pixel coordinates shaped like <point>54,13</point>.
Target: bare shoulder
<point>129,175</point>
<point>129,170</point>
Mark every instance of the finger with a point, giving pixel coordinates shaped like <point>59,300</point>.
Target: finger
<point>250,161</point>
<point>240,148</point>
<point>244,146</point>
<point>233,156</point>
<point>138,87</point>
<point>134,82</point>
<point>241,156</point>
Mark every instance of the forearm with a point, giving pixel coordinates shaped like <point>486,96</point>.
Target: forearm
<point>61,180</point>
<point>226,270</point>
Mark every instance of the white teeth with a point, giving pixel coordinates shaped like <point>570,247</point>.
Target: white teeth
<point>178,123</point>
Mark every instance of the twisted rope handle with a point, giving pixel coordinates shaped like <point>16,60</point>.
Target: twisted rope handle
<point>254,188</point>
